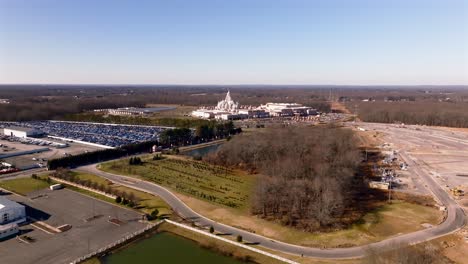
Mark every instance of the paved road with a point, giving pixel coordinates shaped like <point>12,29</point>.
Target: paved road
<point>454,221</point>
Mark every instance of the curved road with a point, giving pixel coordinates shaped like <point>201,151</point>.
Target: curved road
<point>455,220</point>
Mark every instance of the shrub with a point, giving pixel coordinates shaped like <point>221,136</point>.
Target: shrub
<point>118,199</point>
<point>239,238</point>
<point>154,213</point>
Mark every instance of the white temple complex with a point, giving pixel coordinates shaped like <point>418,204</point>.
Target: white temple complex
<point>228,109</point>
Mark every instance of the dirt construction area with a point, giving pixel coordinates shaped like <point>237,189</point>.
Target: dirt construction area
<point>88,218</point>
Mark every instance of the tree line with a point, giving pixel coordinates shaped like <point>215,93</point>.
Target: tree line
<point>307,176</point>
<point>121,197</point>
<point>202,133</point>
<point>100,155</point>
<point>419,113</point>
<point>39,102</point>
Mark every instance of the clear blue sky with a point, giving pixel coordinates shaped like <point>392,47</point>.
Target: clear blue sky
<point>234,42</point>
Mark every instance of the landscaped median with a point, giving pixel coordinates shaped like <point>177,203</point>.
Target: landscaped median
<point>97,186</point>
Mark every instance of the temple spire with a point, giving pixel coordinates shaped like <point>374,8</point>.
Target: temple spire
<point>228,96</point>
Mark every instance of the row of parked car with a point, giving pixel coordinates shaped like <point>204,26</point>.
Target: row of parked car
<point>103,134</point>
<point>36,141</point>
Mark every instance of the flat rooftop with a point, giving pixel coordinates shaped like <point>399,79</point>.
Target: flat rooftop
<point>18,128</point>
<point>4,202</point>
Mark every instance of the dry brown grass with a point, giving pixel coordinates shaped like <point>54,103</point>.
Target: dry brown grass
<point>388,220</point>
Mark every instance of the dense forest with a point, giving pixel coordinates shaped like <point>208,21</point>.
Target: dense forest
<point>429,113</point>
<point>39,102</point>
<point>307,176</point>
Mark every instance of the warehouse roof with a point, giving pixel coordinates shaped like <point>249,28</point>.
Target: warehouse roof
<point>4,202</point>
<point>24,129</point>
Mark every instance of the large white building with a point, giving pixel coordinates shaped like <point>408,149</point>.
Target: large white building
<point>287,109</point>
<point>228,109</point>
<point>22,132</point>
<point>11,214</point>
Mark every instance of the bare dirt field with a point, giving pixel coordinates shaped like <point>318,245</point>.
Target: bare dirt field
<point>441,150</point>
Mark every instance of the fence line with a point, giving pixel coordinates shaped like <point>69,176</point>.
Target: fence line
<point>231,242</point>
<point>116,243</point>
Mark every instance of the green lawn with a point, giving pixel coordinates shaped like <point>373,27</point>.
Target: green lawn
<point>23,185</point>
<point>207,182</point>
<point>146,202</point>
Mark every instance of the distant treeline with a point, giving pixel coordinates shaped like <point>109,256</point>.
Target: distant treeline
<point>202,133</point>
<point>38,102</point>
<point>308,176</point>
<point>421,113</point>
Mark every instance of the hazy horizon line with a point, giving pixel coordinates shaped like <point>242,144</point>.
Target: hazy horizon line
<point>246,84</point>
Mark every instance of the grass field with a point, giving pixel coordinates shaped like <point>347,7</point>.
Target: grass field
<point>180,111</point>
<point>207,182</point>
<point>147,202</point>
<point>388,220</point>
<point>23,185</point>
<point>189,180</point>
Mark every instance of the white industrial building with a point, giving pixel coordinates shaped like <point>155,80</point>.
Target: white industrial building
<point>22,132</point>
<point>11,214</point>
<point>287,109</point>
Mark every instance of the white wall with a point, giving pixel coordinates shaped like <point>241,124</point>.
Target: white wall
<point>14,213</point>
<point>16,133</point>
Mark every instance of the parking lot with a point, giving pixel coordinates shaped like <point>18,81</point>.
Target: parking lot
<point>28,160</point>
<point>112,135</point>
<point>61,207</point>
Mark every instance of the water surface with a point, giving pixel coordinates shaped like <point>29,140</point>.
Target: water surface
<point>166,248</point>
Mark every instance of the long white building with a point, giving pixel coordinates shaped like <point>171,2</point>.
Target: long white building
<point>22,132</point>
<point>11,214</point>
